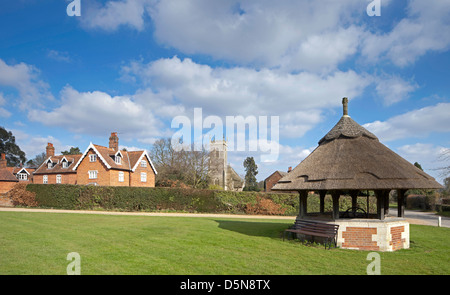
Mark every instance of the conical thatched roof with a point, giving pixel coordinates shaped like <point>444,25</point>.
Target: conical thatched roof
<point>350,157</point>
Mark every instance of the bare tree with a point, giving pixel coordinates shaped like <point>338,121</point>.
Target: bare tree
<point>175,163</point>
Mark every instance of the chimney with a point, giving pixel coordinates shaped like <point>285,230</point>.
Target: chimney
<point>289,169</point>
<point>114,141</point>
<point>345,106</point>
<point>3,161</point>
<point>50,150</point>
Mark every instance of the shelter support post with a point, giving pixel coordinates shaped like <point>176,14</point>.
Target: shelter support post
<point>322,201</point>
<point>303,204</point>
<point>401,202</point>
<point>386,202</point>
<point>381,196</point>
<point>335,195</point>
<point>354,195</point>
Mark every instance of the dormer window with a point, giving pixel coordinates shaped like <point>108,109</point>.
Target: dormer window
<point>64,163</point>
<point>49,165</point>
<point>118,158</point>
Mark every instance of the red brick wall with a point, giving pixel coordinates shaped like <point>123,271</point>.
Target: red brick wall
<point>397,241</point>
<point>360,237</point>
<point>271,181</point>
<point>66,178</point>
<point>135,177</point>
<point>6,186</point>
<point>103,175</point>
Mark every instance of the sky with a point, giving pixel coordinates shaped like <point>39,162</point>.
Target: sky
<point>133,67</point>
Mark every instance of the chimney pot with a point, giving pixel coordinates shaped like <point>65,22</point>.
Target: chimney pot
<point>289,169</point>
<point>345,105</point>
<point>50,150</point>
<point>3,162</point>
<point>114,141</point>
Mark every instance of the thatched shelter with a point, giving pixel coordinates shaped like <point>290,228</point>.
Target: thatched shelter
<point>351,159</point>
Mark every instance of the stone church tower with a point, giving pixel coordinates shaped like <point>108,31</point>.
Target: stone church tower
<point>220,173</point>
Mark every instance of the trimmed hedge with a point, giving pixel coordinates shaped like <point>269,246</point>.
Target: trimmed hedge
<point>77,197</point>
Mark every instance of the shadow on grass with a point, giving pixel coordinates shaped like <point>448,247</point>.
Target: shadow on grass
<point>259,229</point>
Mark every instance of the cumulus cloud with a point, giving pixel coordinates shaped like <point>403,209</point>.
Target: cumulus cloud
<point>393,89</point>
<point>297,98</point>
<point>24,79</point>
<point>416,123</point>
<point>98,113</point>
<point>419,32</point>
<point>113,14</point>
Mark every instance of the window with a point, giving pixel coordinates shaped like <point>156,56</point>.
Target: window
<point>118,160</point>
<point>143,177</point>
<point>45,179</point>
<point>22,176</point>
<point>49,165</point>
<point>92,158</point>
<point>65,164</point>
<point>93,174</point>
<point>58,178</point>
<point>144,164</point>
<point>121,177</point>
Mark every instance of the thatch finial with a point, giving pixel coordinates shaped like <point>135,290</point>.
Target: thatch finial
<point>345,105</point>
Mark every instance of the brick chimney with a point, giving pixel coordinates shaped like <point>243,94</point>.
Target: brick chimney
<point>289,169</point>
<point>3,161</point>
<point>50,150</point>
<point>114,141</point>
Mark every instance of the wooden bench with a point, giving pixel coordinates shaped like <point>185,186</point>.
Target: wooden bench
<point>315,229</point>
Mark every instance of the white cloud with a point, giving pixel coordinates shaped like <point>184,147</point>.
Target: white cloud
<point>98,113</point>
<point>416,123</point>
<point>428,155</point>
<point>421,31</point>
<point>393,89</point>
<point>3,112</point>
<point>245,91</point>
<point>113,14</point>
<point>59,56</point>
<point>25,80</point>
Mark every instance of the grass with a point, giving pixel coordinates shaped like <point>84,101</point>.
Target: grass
<point>38,243</point>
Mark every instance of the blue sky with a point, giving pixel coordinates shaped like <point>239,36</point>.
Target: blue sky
<point>133,66</point>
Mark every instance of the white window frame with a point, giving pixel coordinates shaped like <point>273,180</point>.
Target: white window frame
<point>49,165</point>
<point>65,164</point>
<point>58,178</point>
<point>143,177</point>
<point>118,160</point>
<point>22,176</point>
<point>93,174</point>
<point>144,163</point>
<point>121,176</point>
<point>45,179</point>
<point>92,158</point>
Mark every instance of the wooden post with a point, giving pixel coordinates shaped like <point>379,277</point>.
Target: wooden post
<point>335,195</point>
<point>386,202</point>
<point>322,201</point>
<point>303,204</point>
<point>354,195</point>
<point>401,202</point>
<point>380,204</point>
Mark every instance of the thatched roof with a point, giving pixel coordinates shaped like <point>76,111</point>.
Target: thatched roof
<point>351,157</point>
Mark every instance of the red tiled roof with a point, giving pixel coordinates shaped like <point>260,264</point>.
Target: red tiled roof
<point>57,167</point>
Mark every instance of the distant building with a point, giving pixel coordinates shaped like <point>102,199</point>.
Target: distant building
<point>7,179</point>
<point>220,172</point>
<point>270,181</point>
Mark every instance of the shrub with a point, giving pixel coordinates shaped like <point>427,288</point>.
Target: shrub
<point>264,206</point>
<point>21,197</point>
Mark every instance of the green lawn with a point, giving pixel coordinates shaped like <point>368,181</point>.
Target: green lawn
<point>38,243</point>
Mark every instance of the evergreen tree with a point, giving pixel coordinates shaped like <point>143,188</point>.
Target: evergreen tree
<point>250,176</point>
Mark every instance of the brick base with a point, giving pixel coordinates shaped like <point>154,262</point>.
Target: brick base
<point>373,235</point>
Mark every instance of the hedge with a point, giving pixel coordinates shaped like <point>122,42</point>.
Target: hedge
<point>77,197</point>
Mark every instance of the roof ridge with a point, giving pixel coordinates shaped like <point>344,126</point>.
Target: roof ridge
<point>347,127</point>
